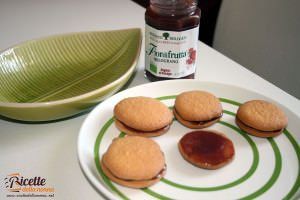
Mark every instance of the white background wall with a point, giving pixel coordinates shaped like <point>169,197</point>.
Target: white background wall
<point>264,36</point>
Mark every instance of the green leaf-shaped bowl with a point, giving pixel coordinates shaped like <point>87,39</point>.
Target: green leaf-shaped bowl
<point>59,76</point>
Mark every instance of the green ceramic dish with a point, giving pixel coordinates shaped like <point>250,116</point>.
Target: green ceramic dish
<point>62,75</point>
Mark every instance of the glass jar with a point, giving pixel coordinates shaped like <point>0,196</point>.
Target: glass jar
<point>171,36</point>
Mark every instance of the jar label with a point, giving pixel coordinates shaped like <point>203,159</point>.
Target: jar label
<point>170,54</point>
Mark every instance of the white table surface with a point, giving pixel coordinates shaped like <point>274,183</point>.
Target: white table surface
<point>49,149</point>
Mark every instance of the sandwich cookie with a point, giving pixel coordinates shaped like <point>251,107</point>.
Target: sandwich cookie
<point>206,149</point>
<point>261,118</point>
<point>134,161</point>
<point>142,116</point>
<point>197,109</point>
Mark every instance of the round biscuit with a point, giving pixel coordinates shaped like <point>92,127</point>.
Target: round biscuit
<point>201,164</point>
<point>143,113</point>
<point>198,106</point>
<point>262,115</point>
<point>134,158</point>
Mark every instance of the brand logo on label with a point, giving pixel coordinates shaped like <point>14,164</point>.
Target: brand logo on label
<point>166,35</point>
<point>165,54</point>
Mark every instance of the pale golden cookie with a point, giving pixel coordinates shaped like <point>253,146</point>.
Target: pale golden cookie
<point>143,114</point>
<point>197,109</point>
<point>134,159</point>
<point>261,118</point>
<point>206,149</point>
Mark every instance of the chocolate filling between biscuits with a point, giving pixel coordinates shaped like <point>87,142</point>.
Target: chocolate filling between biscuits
<point>159,175</point>
<point>201,122</point>
<point>136,130</point>
<point>267,132</point>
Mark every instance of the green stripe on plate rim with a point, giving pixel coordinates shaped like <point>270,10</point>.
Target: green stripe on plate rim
<point>268,185</point>
<point>297,151</point>
<point>275,175</point>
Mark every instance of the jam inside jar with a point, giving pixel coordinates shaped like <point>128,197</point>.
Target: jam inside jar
<point>171,37</point>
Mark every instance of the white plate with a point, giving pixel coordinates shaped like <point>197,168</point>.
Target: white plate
<point>262,168</point>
